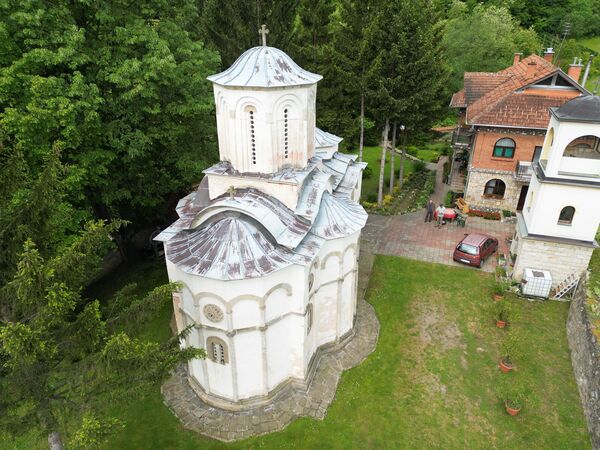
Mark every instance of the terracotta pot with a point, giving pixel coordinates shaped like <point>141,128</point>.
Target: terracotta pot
<point>497,297</point>
<point>500,323</point>
<point>505,367</point>
<point>511,411</point>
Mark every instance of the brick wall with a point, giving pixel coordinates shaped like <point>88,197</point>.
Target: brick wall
<point>484,146</point>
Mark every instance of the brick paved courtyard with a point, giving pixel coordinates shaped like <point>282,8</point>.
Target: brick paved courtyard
<point>407,235</point>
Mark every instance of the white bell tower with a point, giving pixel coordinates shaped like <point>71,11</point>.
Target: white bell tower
<point>561,215</point>
<point>266,116</point>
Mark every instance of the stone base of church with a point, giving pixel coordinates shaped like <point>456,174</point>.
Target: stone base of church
<point>289,401</point>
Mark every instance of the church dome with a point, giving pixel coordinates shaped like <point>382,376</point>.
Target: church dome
<point>232,248</point>
<point>585,108</point>
<point>264,67</point>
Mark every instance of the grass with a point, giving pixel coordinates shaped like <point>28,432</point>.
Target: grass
<point>372,156</point>
<point>431,383</point>
<point>593,43</point>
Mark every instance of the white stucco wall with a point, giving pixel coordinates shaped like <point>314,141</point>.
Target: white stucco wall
<point>232,104</point>
<point>545,201</point>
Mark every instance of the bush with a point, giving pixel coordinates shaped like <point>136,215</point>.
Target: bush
<point>419,166</point>
<point>490,215</point>
<point>449,199</point>
<point>412,150</point>
<point>372,197</point>
<point>507,213</point>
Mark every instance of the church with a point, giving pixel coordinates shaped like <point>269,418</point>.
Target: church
<point>266,248</point>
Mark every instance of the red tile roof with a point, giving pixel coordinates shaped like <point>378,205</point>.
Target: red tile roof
<point>492,98</point>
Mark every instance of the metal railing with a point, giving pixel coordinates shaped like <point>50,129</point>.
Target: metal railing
<point>524,170</point>
<point>461,138</point>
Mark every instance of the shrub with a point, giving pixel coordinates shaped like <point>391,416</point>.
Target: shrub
<point>367,173</point>
<point>419,166</point>
<point>507,213</point>
<point>412,150</point>
<point>513,392</point>
<point>510,348</point>
<point>372,197</point>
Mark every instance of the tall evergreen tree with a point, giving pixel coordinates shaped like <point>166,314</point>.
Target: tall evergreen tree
<point>408,77</point>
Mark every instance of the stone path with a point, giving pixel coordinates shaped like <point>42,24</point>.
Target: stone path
<point>292,402</point>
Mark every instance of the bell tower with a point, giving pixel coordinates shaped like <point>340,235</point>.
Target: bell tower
<point>265,106</point>
<point>557,228</point>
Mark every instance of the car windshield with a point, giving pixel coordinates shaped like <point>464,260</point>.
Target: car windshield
<point>468,249</point>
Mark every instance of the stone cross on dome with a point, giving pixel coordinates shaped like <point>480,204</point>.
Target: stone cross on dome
<point>263,32</point>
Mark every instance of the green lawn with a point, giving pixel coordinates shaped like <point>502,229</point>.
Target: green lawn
<point>372,155</point>
<point>431,383</point>
<point>592,43</point>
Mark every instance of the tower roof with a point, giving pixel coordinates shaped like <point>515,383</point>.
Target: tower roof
<point>585,108</point>
<point>264,67</point>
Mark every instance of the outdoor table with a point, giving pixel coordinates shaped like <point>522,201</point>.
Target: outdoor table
<point>449,214</point>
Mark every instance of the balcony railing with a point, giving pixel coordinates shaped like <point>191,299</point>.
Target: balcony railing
<point>461,138</point>
<point>523,171</point>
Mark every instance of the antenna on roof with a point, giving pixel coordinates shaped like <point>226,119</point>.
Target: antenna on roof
<point>566,32</point>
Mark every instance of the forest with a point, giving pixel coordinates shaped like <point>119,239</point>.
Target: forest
<point>107,119</point>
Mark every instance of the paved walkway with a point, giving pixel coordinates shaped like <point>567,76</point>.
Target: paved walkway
<point>409,236</point>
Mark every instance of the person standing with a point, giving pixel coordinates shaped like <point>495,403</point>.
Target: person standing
<point>440,215</point>
<point>430,208</point>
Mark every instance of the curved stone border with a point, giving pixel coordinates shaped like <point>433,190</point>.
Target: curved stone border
<point>226,425</point>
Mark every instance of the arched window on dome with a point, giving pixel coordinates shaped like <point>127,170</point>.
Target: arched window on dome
<point>216,350</point>
<point>587,147</point>
<point>494,188</point>
<point>566,215</point>
<point>286,142</point>
<point>504,148</point>
<point>250,112</point>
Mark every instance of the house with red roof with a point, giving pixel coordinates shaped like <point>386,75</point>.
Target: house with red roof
<point>503,117</point>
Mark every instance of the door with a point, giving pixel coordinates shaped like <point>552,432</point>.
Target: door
<point>522,197</point>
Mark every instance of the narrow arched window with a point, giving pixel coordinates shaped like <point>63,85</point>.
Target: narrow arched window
<point>495,188</point>
<point>504,148</point>
<point>566,215</point>
<point>309,318</point>
<point>285,134</point>
<point>216,350</point>
<point>252,136</point>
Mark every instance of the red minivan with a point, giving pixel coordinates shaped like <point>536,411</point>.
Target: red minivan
<point>475,248</point>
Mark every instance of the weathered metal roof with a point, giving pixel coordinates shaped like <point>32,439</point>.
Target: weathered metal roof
<point>585,108</point>
<point>351,178</point>
<point>287,175</point>
<point>231,248</point>
<point>338,216</point>
<point>286,228</point>
<point>325,139</point>
<point>264,67</point>
<point>312,191</point>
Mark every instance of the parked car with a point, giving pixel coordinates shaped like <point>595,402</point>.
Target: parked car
<point>474,248</point>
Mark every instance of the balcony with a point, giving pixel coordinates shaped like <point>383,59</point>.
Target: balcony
<point>523,171</point>
<point>461,138</point>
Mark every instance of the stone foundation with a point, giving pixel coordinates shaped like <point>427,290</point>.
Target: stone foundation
<point>477,180</point>
<point>290,402</point>
<point>560,259</point>
<point>585,357</point>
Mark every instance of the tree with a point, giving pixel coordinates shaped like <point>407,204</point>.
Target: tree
<point>63,356</point>
<point>484,39</point>
<point>121,87</point>
<point>407,80</point>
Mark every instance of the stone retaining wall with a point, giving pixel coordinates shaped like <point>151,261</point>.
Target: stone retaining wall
<point>585,357</point>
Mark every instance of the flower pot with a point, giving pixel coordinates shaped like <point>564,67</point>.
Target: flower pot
<point>497,297</point>
<point>504,366</point>
<point>500,323</point>
<point>511,411</point>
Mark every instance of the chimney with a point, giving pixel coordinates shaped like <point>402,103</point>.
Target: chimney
<point>517,58</point>
<point>531,68</point>
<point>549,54</point>
<point>575,69</point>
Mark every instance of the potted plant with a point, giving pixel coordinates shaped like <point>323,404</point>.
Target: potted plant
<point>499,287</point>
<point>513,396</point>
<point>503,313</point>
<point>510,349</point>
